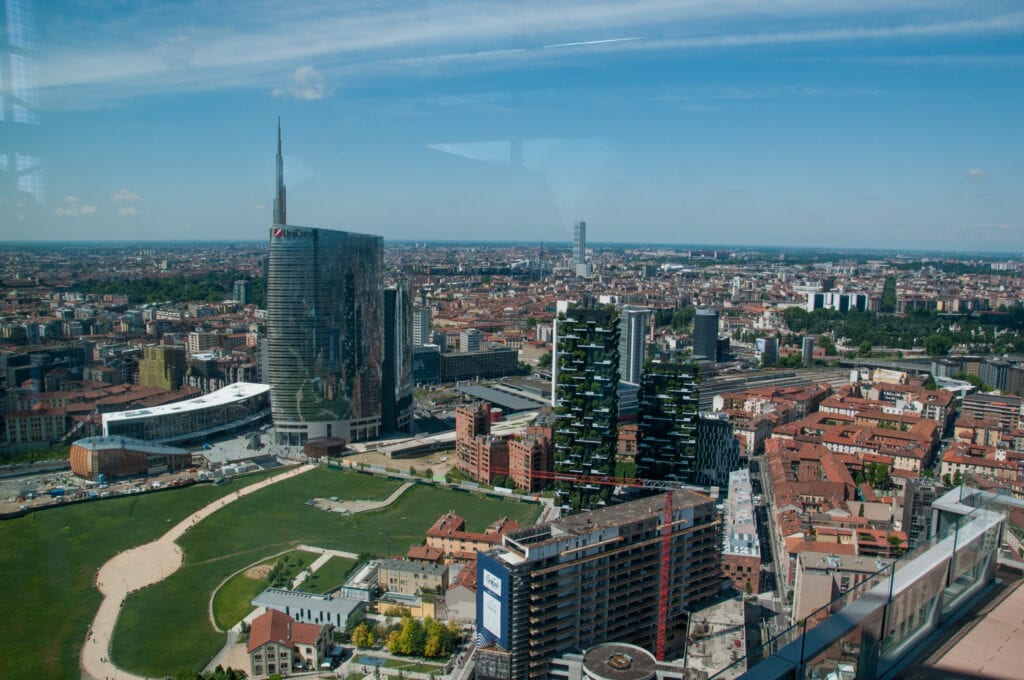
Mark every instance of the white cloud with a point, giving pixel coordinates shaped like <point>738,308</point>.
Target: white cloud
<point>73,208</point>
<point>223,46</point>
<point>976,173</point>
<point>128,211</point>
<point>124,196</point>
<point>306,84</point>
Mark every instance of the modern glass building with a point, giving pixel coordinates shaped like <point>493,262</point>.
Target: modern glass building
<point>325,327</point>
<point>396,405</point>
<point>705,334</point>
<point>633,322</point>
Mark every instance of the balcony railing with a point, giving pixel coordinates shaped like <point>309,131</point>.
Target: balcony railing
<point>872,629</point>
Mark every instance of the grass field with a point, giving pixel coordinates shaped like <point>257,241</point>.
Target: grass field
<point>153,638</point>
<point>329,576</point>
<point>232,600</point>
<point>49,561</point>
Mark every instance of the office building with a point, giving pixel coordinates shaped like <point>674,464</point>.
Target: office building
<point>666,447</point>
<point>919,494</point>
<point>426,364</point>
<point>586,399</point>
<point>766,351</point>
<point>470,339</point>
<point>325,330</point>
<point>396,374</point>
<point>705,334</point>
<point>633,327</point>
<point>236,408</point>
<point>840,302</point>
<point>807,350</point>
<point>624,573</point>
<point>241,291</point>
<point>718,450</point>
<point>487,363</point>
<point>162,366</point>
<point>421,327</point>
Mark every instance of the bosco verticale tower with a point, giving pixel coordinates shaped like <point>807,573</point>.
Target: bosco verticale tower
<point>586,400</point>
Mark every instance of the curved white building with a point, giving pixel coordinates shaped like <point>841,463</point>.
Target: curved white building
<point>236,407</point>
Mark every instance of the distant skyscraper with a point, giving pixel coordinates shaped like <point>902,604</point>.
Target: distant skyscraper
<point>633,322</point>
<point>280,199</point>
<point>579,249</point>
<point>579,243</point>
<point>396,374</point>
<point>325,325</point>
<point>586,376</point>
<point>705,334</point>
<point>666,446</point>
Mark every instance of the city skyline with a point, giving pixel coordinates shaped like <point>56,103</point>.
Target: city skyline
<point>835,124</point>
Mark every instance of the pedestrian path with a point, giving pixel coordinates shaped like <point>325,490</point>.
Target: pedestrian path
<point>143,566</point>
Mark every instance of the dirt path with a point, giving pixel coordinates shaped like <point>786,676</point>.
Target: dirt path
<point>142,566</point>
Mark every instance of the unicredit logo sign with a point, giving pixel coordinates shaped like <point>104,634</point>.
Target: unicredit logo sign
<point>277,232</point>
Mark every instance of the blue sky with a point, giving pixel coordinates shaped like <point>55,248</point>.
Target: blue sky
<point>817,122</point>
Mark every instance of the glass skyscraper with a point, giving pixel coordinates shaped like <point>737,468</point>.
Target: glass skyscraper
<point>325,331</point>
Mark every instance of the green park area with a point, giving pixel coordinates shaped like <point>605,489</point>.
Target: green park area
<point>231,601</point>
<point>50,561</point>
<point>329,576</point>
<point>167,625</point>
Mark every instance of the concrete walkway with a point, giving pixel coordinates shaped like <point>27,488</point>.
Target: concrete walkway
<point>325,555</point>
<point>143,566</point>
<point>362,506</point>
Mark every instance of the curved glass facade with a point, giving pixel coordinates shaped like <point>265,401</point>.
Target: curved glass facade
<point>324,333</point>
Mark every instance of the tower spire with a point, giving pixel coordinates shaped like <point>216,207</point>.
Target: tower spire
<point>280,200</point>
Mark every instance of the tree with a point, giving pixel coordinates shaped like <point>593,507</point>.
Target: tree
<point>889,295</point>
<point>865,348</point>
<point>895,543</point>
<point>946,480</point>
<point>544,360</point>
<point>938,345</point>
<point>362,636</point>
<point>957,478</point>
<point>749,588</point>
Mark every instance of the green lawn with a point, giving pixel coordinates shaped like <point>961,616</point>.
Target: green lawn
<point>166,625</point>
<point>231,603</point>
<point>412,665</point>
<point>329,576</point>
<point>50,559</point>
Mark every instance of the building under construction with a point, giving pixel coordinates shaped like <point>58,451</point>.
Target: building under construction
<point>624,573</point>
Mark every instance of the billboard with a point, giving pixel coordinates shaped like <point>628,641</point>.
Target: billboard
<point>492,596</point>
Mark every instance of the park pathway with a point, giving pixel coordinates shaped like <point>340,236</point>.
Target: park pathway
<point>363,506</point>
<point>143,566</point>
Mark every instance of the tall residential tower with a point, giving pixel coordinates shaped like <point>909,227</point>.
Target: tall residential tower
<point>586,399</point>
